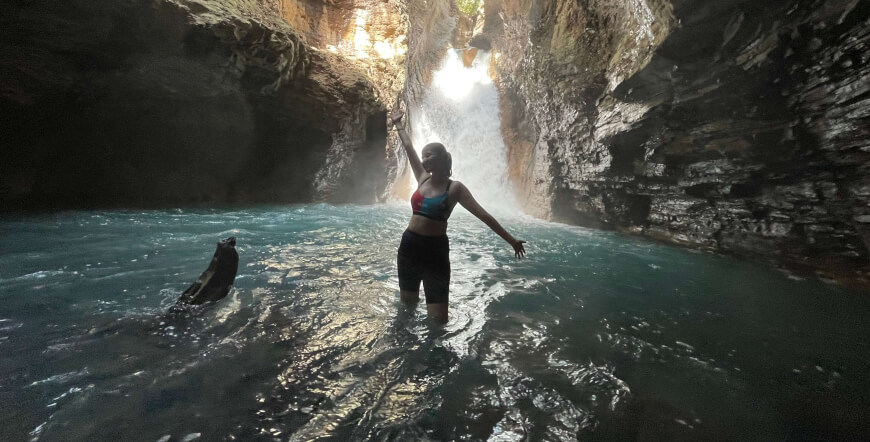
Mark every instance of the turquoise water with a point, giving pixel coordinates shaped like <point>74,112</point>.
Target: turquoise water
<point>594,336</point>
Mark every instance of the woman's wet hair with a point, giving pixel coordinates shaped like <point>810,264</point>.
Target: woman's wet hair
<point>448,160</point>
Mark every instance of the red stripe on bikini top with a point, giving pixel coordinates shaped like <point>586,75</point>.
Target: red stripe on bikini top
<point>416,201</point>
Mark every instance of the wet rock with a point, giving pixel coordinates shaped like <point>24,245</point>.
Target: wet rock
<point>725,125</point>
<point>216,281</point>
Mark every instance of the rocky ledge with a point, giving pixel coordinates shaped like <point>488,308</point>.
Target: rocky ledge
<point>731,126</point>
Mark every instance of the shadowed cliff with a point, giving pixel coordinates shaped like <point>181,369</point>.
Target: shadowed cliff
<point>727,126</point>
<point>127,103</point>
<point>732,126</point>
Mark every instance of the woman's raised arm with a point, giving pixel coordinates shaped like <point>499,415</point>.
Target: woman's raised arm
<point>470,204</point>
<point>416,165</point>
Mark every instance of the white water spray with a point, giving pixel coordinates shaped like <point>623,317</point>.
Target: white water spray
<point>460,110</point>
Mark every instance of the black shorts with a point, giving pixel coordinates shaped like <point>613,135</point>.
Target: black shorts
<point>427,259</point>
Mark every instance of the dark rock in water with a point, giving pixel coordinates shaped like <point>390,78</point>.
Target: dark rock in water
<point>216,280</point>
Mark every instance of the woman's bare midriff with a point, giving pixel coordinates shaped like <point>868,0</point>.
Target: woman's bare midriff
<point>427,227</point>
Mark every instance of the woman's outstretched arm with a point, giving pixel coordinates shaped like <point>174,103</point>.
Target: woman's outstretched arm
<point>470,204</point>
<point>416,165</point>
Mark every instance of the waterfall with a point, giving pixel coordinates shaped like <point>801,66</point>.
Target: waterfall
<point>460,110</point>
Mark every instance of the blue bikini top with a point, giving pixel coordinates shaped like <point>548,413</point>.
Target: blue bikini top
<point>436,208</point>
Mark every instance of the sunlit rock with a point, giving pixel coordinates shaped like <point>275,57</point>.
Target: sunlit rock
<point>468,56</point>
<point>369,37</point>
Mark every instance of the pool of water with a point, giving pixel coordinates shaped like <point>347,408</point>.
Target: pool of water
<point>594,335</point>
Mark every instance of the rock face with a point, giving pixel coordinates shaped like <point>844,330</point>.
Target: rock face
<point>726,125</point>
<point>729,125</point>
<point>369,36</point>
<point>137,102</point>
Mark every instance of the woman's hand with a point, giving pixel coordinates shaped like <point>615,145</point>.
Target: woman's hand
<point>519,250</point>
<point>396,116</point>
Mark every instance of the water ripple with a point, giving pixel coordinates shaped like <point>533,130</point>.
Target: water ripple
<point>594,335</point>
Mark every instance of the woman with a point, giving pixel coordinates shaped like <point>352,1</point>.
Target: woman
<point>423,253</point>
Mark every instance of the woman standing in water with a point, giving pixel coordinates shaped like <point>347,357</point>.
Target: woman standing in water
<point>424,251</point>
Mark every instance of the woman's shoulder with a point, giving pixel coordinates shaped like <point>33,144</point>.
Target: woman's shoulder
<point>456,186</point>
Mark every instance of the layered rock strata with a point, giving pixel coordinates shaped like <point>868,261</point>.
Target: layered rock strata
<point>731,125</point>
<point>135,102</point>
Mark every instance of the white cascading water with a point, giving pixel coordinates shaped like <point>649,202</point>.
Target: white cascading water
<point>460,110</point>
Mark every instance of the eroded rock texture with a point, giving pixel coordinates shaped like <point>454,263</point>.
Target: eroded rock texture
<point>132,102</point>
<point>369,36</point>
<point>736,126</point>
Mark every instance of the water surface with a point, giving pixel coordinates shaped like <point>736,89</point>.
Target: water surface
<point>595,335</point>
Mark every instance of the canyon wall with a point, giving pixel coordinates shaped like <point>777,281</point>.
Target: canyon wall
<point>371,37</point>
<point>729,125</point>
<point>734,126</point>
<point>140,102</point>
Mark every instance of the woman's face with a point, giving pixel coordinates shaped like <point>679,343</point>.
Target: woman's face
<point>433,159</point>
